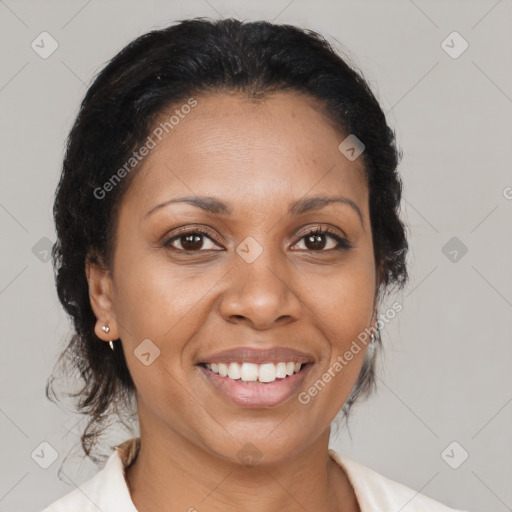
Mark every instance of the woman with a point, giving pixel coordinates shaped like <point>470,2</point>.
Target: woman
<point>227,222</point>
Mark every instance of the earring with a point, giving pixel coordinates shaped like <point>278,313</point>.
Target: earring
<point>106,328</point>
<point>375,338</point>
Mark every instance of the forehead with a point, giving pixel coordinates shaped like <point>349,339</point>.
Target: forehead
<point>246,151</point>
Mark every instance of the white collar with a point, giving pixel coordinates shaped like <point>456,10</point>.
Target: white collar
<point>108,490</point>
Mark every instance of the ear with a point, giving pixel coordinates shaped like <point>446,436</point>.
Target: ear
<point>375,317</point>
<point>101,296</point>
<point>379,278</point>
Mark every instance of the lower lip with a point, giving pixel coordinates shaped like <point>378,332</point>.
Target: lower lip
<point>257,394</point>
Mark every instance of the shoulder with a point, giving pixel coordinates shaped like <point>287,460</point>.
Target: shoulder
<point>375,492</point>
<point>106,491</point>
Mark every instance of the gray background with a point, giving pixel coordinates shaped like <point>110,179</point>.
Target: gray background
<point>446,373</point>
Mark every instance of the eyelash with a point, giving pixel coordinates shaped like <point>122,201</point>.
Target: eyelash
<point>342,243</point>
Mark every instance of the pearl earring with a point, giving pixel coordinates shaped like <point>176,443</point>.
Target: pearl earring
<point>106,328</point>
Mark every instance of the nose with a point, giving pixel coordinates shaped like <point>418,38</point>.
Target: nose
<point>261,294</point>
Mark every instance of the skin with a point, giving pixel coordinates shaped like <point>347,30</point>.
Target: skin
<point>258,157</point>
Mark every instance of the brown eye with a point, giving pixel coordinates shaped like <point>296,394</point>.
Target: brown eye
<point>191,241</point>
<point>323,240</point>
<point>315,242</point>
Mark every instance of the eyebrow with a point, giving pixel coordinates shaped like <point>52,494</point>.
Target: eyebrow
<point>298,207</point>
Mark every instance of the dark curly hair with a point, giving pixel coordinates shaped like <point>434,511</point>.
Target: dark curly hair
<point>152,73</point>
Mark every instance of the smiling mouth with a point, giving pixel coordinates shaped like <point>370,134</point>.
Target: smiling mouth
<point>251,385</point>
<point>251,373</point>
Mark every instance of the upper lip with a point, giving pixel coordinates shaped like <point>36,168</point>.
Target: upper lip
<point>258,356</point>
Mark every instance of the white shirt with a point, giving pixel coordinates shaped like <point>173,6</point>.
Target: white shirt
<point>107,491</point>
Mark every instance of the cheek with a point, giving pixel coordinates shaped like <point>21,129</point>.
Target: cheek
<point>167,305</point>
<point>346,309</point>
<point>345,312</point>
<point>153,298</point>
<point>344,300</point>
<point>158,310</point>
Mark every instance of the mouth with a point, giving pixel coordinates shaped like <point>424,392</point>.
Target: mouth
<point>255,373</point>
<point>253,385</point>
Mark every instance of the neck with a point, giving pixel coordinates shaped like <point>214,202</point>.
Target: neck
<point>170,470</point>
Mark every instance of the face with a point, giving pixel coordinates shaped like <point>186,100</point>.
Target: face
<point>248,275</point>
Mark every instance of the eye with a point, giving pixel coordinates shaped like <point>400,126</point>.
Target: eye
<point>192,240</point>
<point>196,240</point>
<point>317,240</point>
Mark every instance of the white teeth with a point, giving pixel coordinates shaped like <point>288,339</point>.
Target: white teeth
<point>234,371</point>
<point>250,372</point>
<point>267,372</point>
<point>223,370</point>
<point>281,370</point>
